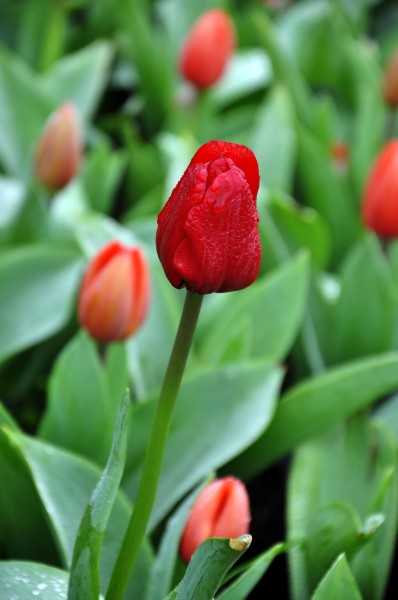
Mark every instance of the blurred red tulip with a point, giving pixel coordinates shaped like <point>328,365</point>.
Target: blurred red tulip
<point>59,150</point>
<point>390,81</point>
<point>208,48</point>
<point>114,294</point>
<point>380,202</point>
<point>221,510</point>
<point>207,238</point>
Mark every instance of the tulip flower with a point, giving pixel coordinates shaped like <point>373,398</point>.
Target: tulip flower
<point>380,202</point>
<point>221,510</point>
<point>114,294</point>
<point>207,48</point>
<point>59,150</point>
<point>207,238</point>
<point>390,81</point>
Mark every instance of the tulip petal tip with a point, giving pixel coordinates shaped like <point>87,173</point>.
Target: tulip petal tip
<point>240,544</point>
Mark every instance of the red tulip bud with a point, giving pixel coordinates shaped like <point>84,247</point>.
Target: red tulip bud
<point>208,48</point>
<point>207,238</point>
<point>59,150</point>
<point>114,294</point>
<point>380,203</point>
<point>221,510</point>
<point>390,81</point>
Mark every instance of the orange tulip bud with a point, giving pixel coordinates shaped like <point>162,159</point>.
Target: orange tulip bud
<point>59,150</point>
<point>221,510</point>
<point>114,294</point>
<point>390,81</point>
<point>208,48</point>
<point>380,203</point>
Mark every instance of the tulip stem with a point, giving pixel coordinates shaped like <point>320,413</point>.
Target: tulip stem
<point>145,498</point>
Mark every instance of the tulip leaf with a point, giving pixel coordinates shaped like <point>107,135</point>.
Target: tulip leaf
<point>17,84</point>
<point>338,583</point>
<point>80,78</point>
<point>56,486</point>
<point>80,411</point>
<point>222,404</point>
<point>37,292</point>
<point>24,580</point>
<point>208,566</point>
<point>251,575</point>
<point>84,575</point>
<point>271,310</point>
<point>274,140</point>
<point>313,407</point>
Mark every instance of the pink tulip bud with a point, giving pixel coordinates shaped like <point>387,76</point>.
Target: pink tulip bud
<point>59,150</point>
<point>221,510</point>
<point>207,48</point>
<point>114,294</point>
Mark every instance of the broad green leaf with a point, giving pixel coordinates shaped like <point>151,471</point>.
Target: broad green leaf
<point>342,497</point>
<point>62,484</point>
<point>338,583</point>
<point>273,140</point>
<point>327,193</point>
<point>366,313</point>
<point>102,172</point>
<point>313,407</point>
<point>26,580</point>
<point>17,85</point>
<point>219,404</point>
<point>333,529</point>
<point>37,292</point>
<point>84,575</point>
<point>6,419</point>
<point>12,193</point>
<point>80,78</point>
<point>208,566</point>
<point>80,412</point>
<point>271,310</point>
<point>252,573</point>
<point>288,227</point>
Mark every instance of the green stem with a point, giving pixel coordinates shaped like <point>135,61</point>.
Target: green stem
<point>155,451</point>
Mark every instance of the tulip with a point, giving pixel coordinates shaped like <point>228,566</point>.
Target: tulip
<point>221,510</point>
<point>59,150</point>
<point>207,237</point>
<point>114,294</point>
<point>208,48</point>
<point>380,202</point>
<point>390,81</point>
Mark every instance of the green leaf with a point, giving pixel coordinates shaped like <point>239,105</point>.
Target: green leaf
<point>220,403</point>
<point>252,573</point>
<point>26,580</point>
<point>271,310</point>
<point>37,292</point>
<point>273,140</point>
<point>6,419</point>
<point>102,173</point>
<point>84,575</point>
<point>338,583</point>
<point>208,566</point>
<point>80,412</point>
<point>80,78</point>
<point>63,484</point>
<point>17,84</point>
<point>366,313</point>
<point>316,405</point>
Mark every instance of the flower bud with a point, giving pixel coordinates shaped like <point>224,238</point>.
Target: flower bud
<point>380,202</point>
<point>207,48</point>
<point>390,81</point>
<point>114,294</point>
<point>207,238</point>
<point>59,150</point>
<point>221,510</point>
